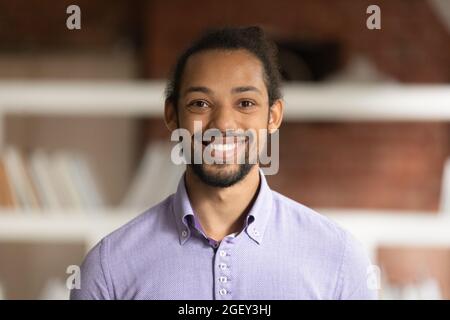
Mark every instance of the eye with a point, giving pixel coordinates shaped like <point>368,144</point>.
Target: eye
<point>199,104</point>
<point>246,104</point>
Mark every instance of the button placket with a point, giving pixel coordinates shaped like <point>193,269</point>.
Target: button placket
<point>223,271</point>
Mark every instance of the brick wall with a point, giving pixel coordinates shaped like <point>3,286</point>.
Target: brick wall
<point>411,46</point>
<point>373,165</point>
<point>370,165</point>
<point>40,25</point>
<point>394,165</point>
<point>376,165</point>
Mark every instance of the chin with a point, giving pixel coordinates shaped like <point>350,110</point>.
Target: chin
<point>221,175</point>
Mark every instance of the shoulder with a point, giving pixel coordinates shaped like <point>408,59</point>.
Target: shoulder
<point>143,228</point>
<point>334,246</point>
<point>116,253</point>
<point>307,221</point>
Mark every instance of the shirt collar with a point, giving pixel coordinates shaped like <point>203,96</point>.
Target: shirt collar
<point>257,217</point>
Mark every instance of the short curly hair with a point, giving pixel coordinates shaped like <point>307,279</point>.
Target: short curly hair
<point>251,39</point>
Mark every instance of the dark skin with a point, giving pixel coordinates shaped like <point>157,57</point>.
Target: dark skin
<point>224,89</point>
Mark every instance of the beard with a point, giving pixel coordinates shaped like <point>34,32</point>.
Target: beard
<point>224,175</point>
<point>223,178</point>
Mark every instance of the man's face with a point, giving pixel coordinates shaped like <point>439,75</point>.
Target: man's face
<point>225,91</point>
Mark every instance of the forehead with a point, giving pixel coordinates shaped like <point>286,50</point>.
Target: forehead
<point>223,68</point>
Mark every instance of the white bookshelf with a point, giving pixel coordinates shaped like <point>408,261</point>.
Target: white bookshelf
<point>394,228</point>
<point>373,228</point>
<point>324,102</point>
<point>86,226</point>
<point>376,102</point>
<point>102,98</point>
<point>304,102</point>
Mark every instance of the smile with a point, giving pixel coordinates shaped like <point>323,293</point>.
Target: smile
<point>223,147</point>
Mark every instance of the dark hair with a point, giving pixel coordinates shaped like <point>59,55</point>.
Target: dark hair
<point>251,39</point>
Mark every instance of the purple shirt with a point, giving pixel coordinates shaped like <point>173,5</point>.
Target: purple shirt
<point>285,251</point>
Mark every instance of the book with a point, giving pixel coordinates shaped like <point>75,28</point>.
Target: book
<point>20,179</point>
<point>70,195</point>
<point>39,168</point>
<point>156,178</point>
<point>85,182</point>
<point>62,179</point>
<point>7,197</point>
<point>445,189</point>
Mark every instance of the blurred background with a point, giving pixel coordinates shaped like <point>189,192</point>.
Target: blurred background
<point>365,139</point>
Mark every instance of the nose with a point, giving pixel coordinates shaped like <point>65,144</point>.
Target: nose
<point>223,118</point>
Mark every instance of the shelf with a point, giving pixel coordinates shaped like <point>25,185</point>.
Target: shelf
<point>121,98</point>
<point>304,102</point>
<point>393,228</point>
<point>72,225</point>
<point>388,102</point>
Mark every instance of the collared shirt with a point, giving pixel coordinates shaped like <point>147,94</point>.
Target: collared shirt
<point>284,251</point>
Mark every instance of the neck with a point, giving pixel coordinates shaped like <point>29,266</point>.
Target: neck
<point>222,211</point>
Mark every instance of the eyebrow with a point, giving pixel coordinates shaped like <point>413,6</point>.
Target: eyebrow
<point>198,89</point>
<point>233,90</point>
<point>244,89</point>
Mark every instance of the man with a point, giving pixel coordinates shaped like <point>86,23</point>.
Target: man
<point>225,234</point>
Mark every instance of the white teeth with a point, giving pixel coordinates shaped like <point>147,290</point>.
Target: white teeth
<point>223,147</point>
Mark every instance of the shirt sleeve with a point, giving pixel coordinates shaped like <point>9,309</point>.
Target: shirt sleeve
<point>93,278</point>
<point>354,282</point>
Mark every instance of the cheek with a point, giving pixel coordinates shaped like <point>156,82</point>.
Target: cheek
<point>259,128</point>
<point>256,124</point>
<point>192,123</point>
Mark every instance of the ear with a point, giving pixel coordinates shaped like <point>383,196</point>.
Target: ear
<point>276,115</point>
<point>170,116</point>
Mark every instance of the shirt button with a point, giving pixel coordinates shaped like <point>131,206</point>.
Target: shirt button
<point>184,233</point>
<point>222,253</point>
<point>223,292</point>
<point>223,279</point>
<point>223,266</point>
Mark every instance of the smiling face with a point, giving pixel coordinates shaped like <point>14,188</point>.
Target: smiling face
<point>226,92</point>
